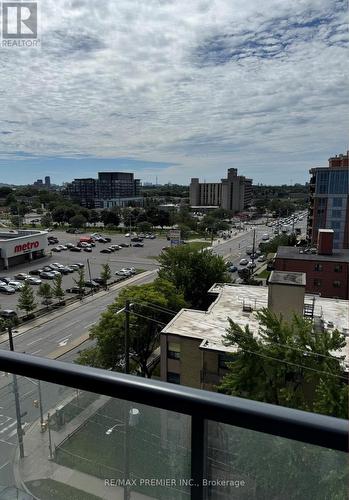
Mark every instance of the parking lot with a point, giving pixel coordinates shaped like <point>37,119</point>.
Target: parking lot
<point>137,257</point>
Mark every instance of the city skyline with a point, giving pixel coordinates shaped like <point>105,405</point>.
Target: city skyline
<point>176,90</point>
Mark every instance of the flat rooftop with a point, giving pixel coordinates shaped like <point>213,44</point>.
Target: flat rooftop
<point>20,233</point>
<point>288,278</point>
<point>233,302</point>
<point>295,253</point>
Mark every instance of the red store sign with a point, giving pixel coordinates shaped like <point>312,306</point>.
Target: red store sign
<point>31,245</point>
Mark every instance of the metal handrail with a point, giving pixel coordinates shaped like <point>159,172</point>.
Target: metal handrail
<point>312,428</point>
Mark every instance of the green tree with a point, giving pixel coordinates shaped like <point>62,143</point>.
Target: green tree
<point>57,289</point>
<point>80,281</point>
<point>145,227</point>
<point>78,221</point>
<point>46,220</point>
<point>287,364</point>
<point>106,274</point>
<point>147,318</point>
<point>193,272</point>
<point>45,292</point>
<point>26,300</point>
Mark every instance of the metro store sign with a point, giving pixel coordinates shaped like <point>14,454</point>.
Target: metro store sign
<point>25,247</point>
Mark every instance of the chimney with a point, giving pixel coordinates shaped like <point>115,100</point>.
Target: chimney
<point>286,293</point>
<point>325,241</point>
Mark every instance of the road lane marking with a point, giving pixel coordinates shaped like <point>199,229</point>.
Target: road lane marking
<point>64,338</point>
<point>36,352</point>
<point>34,341</point>
<point>4,465</point>
<point>8,427</point>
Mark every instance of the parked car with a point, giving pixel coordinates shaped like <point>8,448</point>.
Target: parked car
<point>65,270</point>
<point>56,249</point>
<point>17,285</point>
<point>232,269</point>
<point>136,239</point>
<point>261,258</point>
<point>5,279</point>
<point>22,276</point>
<point>70,245</point>
<point>123,272</point>
<point>138,245</point>
<point>79,264</point>
<point>105,250</point>
<point>99,281</point>
<point>75,267</point>
<point>62,247</point>
<point>34,281</point>
<point>8,314</point>
<point>91,284</point>
<point>251,264</point>
<point>124,245</point>
<point>75,249</point>
<point>87,249</point>
<point>8,290</point>
<point>243,262</point>
<point>112,249</point>
<point>47,275</point>
<point>75,289</point>
<point>132,270</point>
<point>35,272</point>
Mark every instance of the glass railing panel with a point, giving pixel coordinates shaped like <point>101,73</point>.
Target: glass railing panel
<point>78,444</point>
<point>244,464</point>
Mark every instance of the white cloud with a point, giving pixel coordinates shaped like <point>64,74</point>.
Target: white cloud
<point>203,84</point>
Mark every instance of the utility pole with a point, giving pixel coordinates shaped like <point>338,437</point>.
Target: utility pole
<point>40,404</point>
<point>89,273</point>
<point>17,404</point>
<point>126,406</point>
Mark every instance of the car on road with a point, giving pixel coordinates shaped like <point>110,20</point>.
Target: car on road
<point>232,269</point>
<point>106,250</point>
<point>261,258</point>
<point>136,239</point>
<point>243,262</point>
<point>123,245</point>
<point>62,247</point>
<point>112,249</point>
<point>251,264</point>
<point>21,276</point>
<point>70,245</point>
<point>75,249</point>
<point>46,275</point>
<point>99,281</point>
<point>140,245</point>
<point>87,249</point>
<point>8,290</point>
<point>127,235</point>
<point>56,249</point>
<point>33,281</point>
<point>115,247</point>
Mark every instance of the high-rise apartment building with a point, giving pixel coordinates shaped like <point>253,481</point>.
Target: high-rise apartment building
<point>329,200</point>
<point>110,189</point>
<point>233,193</point>
<point>48,181</point>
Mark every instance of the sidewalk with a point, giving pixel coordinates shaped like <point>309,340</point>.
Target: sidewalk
<point>37,465</point>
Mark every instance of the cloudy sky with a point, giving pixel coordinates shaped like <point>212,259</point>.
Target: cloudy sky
<point>177,89</point>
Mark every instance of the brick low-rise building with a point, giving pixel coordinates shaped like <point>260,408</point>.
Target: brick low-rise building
<point>327,271</point>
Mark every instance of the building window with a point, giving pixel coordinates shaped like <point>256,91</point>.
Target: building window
<point>336,284</point>
<point>336,224</point>
<point>174,350</point>
<point>338,268</point>
<point>337,202</point>
<point>317,282</point>
<point>336,214</point>
<point>173,378</point>
<point>318,267</point>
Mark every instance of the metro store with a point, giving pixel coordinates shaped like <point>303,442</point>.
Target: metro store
<point>18,247</point>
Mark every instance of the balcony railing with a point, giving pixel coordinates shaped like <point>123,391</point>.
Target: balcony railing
<point>149,439</point>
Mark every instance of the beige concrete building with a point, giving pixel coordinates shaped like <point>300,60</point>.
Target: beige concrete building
<point>233,193</point>
<point>192,348</point>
